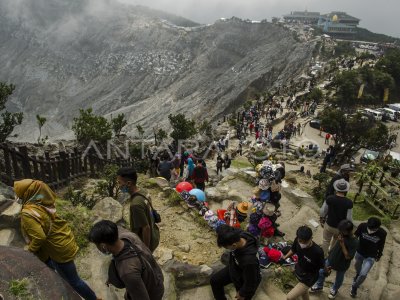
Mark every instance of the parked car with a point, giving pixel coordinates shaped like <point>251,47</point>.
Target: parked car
<point>369,155</point>
<point>377,115</point>
<point>315,123</point>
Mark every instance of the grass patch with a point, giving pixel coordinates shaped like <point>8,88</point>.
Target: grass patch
<point>241,164</point>
<point>79,218</point>
<point>362,210</point>
<point>20,289</point>
<point>173,199</point>
<point>284,278</point>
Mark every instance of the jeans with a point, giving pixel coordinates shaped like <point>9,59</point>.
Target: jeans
<point>338,280</point>
<point>300,290</point>
<point>363,265</point>
<point>68,272</point>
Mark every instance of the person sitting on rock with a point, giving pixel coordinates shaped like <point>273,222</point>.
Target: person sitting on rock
<point>49,237</point>
<point>243,269</point>
<point>132,266</point>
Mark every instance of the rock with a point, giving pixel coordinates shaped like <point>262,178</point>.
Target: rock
<point>291,178</point>
<point>163,255</point>
<point>10,217</point>
<point>6,191</point>
<point>170,292</point>
<point>42,282</point>
<point>205,270</point>
<point>6,237</point>
<point>214,194</point>
<point>108,209</point>
<point>184,248</point>
<point>234,195</point>
<point>203,292</point>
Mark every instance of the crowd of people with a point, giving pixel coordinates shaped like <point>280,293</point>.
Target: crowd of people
<point>260,244</point>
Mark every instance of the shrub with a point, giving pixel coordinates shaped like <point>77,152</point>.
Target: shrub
<point>89,126</point>
<point>77,198</point>
<point>79,218</point>
<point>108,186</point>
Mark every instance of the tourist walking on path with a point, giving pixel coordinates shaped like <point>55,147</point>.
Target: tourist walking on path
<point>335,209</point>
<point>165,167</point>
<point>343,173</point>
<point>190,169</point>
<point>141,212</point>
<point>243,269</point>
<point>339,258</point>
<point>310,261</point>
<point>372,240</point>
<point>200,175</point>
<point>220,163</point>
<point>49,237</point>
<point>133,267</point>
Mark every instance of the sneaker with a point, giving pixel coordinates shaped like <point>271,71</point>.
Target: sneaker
<point>353,292</point>
<point>332,294</point>
<point>315,288</point>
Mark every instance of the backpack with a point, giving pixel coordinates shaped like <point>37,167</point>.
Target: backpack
<point>265,225</point>
<point>113,276</point>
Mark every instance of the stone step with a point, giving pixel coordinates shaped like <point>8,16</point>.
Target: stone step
<point>6,237</point>
<point>10,216</point>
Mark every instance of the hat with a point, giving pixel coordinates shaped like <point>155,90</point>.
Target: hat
<point>346,167</point>
<point>341,185</point>
<point>257,192</point>
<point>208,215</point>
<point>264,184</point>
<point>243,208</point>
<point>269,209</point>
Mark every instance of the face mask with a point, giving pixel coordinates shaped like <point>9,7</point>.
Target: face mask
<point>124,189</point>
<point>104,251</point>
<point>302,246</point>
<point>371,231</point>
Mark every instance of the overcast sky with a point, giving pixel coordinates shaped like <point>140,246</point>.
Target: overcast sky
<point>380,16</point>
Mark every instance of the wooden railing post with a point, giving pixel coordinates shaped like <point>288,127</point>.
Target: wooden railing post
<point>26,166</point>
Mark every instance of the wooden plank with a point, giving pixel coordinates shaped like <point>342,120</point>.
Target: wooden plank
<point>26,166</point>
<point>36,174</point>
<point>16,169</point>
<point>7,163</point>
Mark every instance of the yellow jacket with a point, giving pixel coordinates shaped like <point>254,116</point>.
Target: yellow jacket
<point>48,235</point>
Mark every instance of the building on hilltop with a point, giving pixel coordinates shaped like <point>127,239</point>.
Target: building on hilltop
<point>305,17</point>
<point>338,24</point>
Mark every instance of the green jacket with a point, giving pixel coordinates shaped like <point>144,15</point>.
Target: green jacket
<point>49,236</point>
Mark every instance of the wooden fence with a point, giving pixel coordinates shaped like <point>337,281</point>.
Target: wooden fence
<point>56,171</point>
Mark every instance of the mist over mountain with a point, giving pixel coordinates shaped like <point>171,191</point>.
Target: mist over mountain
<point>67,55</point>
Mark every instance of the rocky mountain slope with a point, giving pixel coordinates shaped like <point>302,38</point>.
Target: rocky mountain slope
<point>67,55</point>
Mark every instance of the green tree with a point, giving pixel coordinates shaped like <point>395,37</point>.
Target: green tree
<point>206,128</point>
<point>89,126</point>
<point>108,186</point>
<point>8,120</point>
<point>347,85</point>
<point>161,135</point>
<point>118,123</point>
<point>353,132</point>
<point>182,128</point>
<point>40,121</point>
<point>316,95</point>
<point>390,63</point>
<point>344,49</point>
